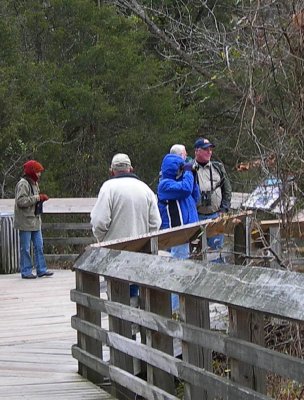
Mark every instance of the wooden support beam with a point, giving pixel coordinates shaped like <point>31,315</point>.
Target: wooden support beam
<point>89,283</point>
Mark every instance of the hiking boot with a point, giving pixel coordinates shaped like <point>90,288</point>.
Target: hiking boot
<point>46,273</point>
<point>29,276</point>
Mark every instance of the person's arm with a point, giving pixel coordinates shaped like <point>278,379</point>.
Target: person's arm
<point>177,190</point>
<point>24,196</point>
<point>226,191</point>
<point>101,215</point>
<point>154,215</point>
<point>196,194</point>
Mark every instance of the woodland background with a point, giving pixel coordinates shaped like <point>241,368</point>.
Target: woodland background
<point>81,80</point>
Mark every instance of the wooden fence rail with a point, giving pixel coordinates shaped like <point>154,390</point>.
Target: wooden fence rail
<point>144,364</point>
<point>67,230</point>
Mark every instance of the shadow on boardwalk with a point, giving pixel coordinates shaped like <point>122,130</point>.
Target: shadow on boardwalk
<point>36,339</point>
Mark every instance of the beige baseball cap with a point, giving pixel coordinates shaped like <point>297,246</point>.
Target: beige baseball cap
<point>120,160</point>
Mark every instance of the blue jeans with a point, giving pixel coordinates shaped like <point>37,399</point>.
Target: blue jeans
<point>26,266</point>
<point>182,251</point>
<point>215,242</point>
<point>134,290</point>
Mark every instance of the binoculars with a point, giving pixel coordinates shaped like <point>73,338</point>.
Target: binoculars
<point>206,199</point>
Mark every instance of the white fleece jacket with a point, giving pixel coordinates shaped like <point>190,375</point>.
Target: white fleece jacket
<point>126,207</point>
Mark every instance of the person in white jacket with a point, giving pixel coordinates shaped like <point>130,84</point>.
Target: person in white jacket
<point>126,206</point>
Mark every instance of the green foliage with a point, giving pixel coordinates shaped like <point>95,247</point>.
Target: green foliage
<point>85,87</point>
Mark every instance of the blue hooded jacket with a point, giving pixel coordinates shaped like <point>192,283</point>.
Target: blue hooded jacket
<point>177,193</point>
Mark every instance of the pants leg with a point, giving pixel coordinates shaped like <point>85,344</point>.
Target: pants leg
<point>38,252</point>
<point>26,266</point>
<point>215,242</point>
<point>182,252</point>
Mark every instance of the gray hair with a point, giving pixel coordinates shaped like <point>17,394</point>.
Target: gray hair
<point>178,149</point>
<point>121,167</point>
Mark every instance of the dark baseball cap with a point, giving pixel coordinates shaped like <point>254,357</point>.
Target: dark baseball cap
<point>203,143</point>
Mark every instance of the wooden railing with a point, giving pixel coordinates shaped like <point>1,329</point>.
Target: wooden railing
<point>250,293</point>
<point>66,226</point>
<point>67,230</point>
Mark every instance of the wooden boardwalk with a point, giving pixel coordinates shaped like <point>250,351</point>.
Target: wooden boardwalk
<point>36,339</point>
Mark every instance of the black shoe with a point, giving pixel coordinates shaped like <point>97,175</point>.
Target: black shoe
<point>29,276</point>
<point>46,273</point>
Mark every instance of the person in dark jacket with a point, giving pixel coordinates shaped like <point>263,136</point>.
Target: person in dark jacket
<point>178,194</point>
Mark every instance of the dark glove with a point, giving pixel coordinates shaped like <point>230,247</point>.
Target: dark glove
<point>43,197</point>
<point>188,166</point>
<point>193,167</point>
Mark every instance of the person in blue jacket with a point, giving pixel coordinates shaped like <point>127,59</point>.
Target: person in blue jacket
<point>178,194</point>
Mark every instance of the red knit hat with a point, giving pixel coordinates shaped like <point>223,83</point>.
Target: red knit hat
<point>31,168</point>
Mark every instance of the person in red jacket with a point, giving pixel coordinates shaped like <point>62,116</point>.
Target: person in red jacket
<point>28,207</point>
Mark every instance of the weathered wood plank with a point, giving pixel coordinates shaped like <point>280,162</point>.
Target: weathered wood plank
<point>39,365</point>
<point>89,283</point>
<point>66,226</point>
<point>220,386</point>
<point>139,386</point>
<point>280,293</point>
<point>245,324</point>
<point>182,370</point>
<point>57,205</point>
<point>160,303</point>
<point>195,312</point>
<point>65,241</point>
<point>53,258</point>
<point>294,228</point>
<point>120,292</point>
<point>249,327</point>
<point>85,205</point>
<point>240,244</point>
<point>92,362</point>
<point>258,356</point>
<point>275,244</point>
<point>178,235</point>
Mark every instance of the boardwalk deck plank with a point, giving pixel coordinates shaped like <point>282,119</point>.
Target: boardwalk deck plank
<point>36,339</point>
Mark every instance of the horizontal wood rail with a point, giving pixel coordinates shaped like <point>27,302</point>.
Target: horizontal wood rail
<point>68,205</point>
<point>146,366</point>
<point>67,230</point>
<point>85,205</point>
<point>278,363</point>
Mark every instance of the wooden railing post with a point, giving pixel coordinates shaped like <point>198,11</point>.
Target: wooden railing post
<point>242,241</point>
<point>160,303</point>
<point>275,244</point>
<point>144,301</point>
<point>196,312</point>
<point>88,283</point>
<point>247,326</point>
<point>120,292</point>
